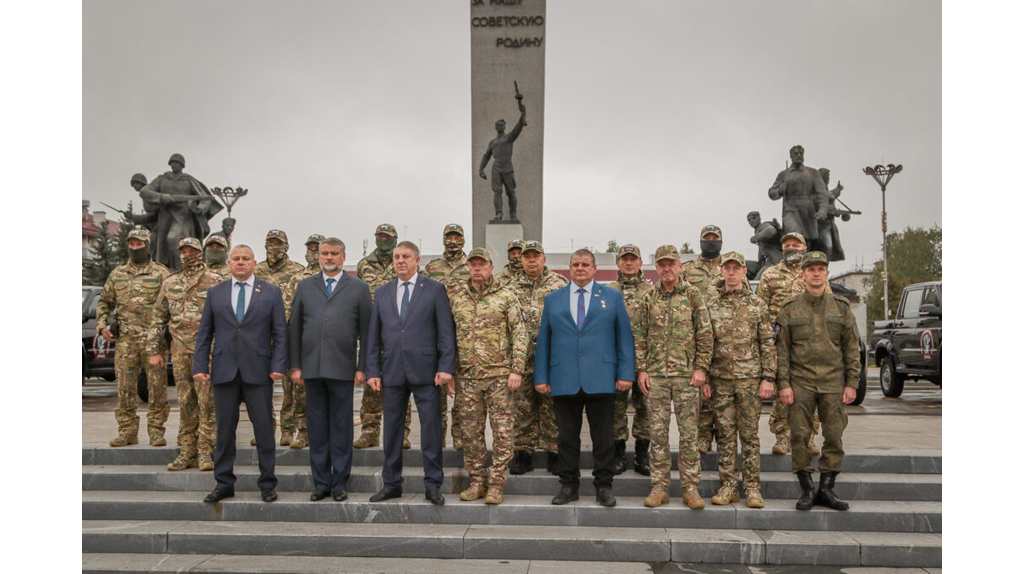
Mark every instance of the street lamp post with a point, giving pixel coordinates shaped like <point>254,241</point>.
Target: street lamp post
<point>883,175</point>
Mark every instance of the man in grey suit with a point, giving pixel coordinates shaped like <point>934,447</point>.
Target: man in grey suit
<point>330,315</point>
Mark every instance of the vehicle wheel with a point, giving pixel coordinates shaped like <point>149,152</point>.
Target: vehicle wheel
<point>862,386</point>
<point>143,387</point>
<point>890,380</point>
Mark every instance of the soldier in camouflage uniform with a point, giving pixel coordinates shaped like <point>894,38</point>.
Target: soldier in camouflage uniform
<point>819,367</point>
<point>179,306</point>
<point>452,270</point>
<point>674,344</point>
<point>742,373</point>
<point>491,341</point>
<point>312,268</point>
<point>131,290</point>
<point>509,274</point>
<point>216,255</point>
<point>278,269</point>
<point>778,283</point>
<point>377,269</point>
<point>535,412</point>
<point>630,282</point>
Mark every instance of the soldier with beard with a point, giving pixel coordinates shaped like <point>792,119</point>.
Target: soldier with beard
<point>132,290</point>
<point>278,270</point>
<point>630,282</point>
<point>514,267</point>
<point>377,269</point>
<point>216,255</point>
<point>452,270</point>
<point>179,306</point>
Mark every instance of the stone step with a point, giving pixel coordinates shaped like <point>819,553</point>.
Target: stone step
<point>295,507</point>
<point>849,486</point>
<point>905,461</point>
<point>505,542</point>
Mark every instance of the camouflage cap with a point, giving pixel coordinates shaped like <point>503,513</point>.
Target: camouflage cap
<point>218,239</point>
<point>386,228</point>
<point>533,245</point>
<point>630,249</point>
<point>793,235</point>
<point>812,258</point>
<point>734,256</point>
<point>141,178</point>
<point>178,158</point>
<point>453,228</point>
<point>514,243</point>
<point>479,252</point>
<point>315,238</point>
<point>666,252</point>
<point>711,229</point>
<point>277,234</point>
<point>191,242</point>
<point>139,233</point>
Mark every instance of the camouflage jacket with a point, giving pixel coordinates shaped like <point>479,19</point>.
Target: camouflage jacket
<point>817,343</point>
<point>179,306</point>
<point>674,336</point>
<point>531,293</point>
<point>452,273</point>
<point>375,272</point>
<point>632,291</point>
<point>744,341</point>
<point>132,290</point>
<point>509,276</point>
<point>778,283</point>
<point>489,330</point>
<point>288,291</point>
<point>280,275</point>
<point>223,270</point>
<point>702,273</point>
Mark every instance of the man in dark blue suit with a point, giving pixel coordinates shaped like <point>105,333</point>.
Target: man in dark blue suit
<point>411,349</point>
<point>330,315</point>
<point>246,315</point>
<point>584,354</point>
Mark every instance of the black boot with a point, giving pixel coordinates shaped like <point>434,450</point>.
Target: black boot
<point>825,495</point>
<point>806,500</point>
<point>619,462</point>
<point>521,463</point>
<point>552,463</point>
<point>642,460</point>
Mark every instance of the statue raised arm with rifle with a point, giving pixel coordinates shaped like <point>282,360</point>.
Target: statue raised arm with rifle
<point>502,173</point>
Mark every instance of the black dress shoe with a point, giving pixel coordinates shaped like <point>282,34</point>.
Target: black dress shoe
<point>339,495</point>
<point>567,494</point>
<point>219,494</point>
<point>386,494</point>
<point>435,497</point>
<point>319,495</point>
<point>268,495</point>
<point>605,496</point>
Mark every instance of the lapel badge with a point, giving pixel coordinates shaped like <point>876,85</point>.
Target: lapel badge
<point>603,306</point>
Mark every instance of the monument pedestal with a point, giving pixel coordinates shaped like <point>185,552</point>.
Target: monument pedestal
<point>496,238</point>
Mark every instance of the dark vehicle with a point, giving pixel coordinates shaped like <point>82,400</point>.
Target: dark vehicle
<point>98,353</point>
<point>910,346</point>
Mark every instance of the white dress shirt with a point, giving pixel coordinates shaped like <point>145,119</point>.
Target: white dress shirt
<point>249,284</point>
<point>400,292</point>
<point>574,299</point>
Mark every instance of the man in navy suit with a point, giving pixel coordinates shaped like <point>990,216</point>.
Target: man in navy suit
<point>584,354</point>
<point>246,315</point>
<point>411,349</point>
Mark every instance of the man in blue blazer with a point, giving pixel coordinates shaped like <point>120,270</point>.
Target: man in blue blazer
<point>246,315</point>
<point>584,354</point>
<point>411,349</point>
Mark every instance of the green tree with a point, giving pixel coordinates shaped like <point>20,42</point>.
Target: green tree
<point>686,248</point>
<point>104,258</point>
<point>613,247</point>
<point>915,255</point>
<point>121,250</point>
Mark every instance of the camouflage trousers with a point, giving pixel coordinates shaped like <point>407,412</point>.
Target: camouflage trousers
<point>535,419</point>
<point>737,408</point>
<point>664,392</point>
<point>371,412</point>
<point>477,399</point>
<point>706,423</point>
<point>197,427</point>
<point>130,355</point>
<point>641,428</point>
<point>778,421</point>
<point>293,407</point>
<point>833,422</point>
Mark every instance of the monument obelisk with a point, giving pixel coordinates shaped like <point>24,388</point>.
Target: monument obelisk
<point>507,54</point>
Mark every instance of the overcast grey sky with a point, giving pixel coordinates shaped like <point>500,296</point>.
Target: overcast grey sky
<point>665,116</point>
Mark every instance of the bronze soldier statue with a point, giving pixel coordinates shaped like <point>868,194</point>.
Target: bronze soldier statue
<point>803,194</point>
<point>502,172</point>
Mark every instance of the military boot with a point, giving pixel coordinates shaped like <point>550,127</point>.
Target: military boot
<point>656,498</point>
<point>474,492</point>
<point>825,495</point>
<point>183,461</point>
<point>692,498</point>
<point>806,500</point>
<point>124,440</point>
<point>815,449</point>
<point>457,443</point>
<point>781,443</point>
<point>157,440</point>
<point>366,441</point>
<point>301,440</point>
<point>754,499</point>
<point>205,462</point>
<point>521,463</point>
<point>494,495</point>
<point>406,445</point>
<point>619,462</point>
<point>703,444</point>
<point>728,493</point>
<point>286,438</point>
<point>641,458</point>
